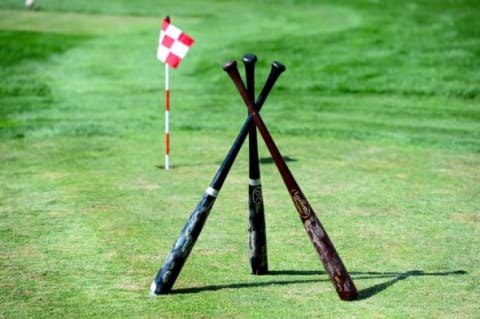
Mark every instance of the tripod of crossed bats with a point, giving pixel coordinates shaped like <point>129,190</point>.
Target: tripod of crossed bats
<point>332,262</point>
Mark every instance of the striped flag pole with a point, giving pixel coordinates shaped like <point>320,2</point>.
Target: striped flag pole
<point>173,45</point>
<point>167,117</point>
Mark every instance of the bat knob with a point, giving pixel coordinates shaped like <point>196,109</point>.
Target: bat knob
<point>230,66</point>
<point>249,58</point>
<point>278,66</point>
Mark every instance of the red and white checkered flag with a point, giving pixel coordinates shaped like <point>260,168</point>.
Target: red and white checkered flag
<point>173,44</point>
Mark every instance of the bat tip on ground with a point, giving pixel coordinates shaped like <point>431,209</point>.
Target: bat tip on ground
<point>153,288</point>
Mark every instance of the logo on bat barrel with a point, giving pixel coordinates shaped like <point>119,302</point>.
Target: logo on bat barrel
<point>257,196</point>
<point>300,202</point>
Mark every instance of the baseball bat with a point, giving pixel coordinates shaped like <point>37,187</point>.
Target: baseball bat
<point>168,273</point>
<point>257,238</point>
<point>323,245</point>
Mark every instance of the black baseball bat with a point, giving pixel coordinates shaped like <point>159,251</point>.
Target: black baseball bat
<point>168,273</point>
<point>257,237</point>
<point>323,245</point>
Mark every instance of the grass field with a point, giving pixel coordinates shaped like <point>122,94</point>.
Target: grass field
<point>378,112</point>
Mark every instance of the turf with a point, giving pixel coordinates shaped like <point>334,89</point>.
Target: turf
<point>378,113</point>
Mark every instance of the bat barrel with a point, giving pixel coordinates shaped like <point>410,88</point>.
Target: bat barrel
<point>167,275</point>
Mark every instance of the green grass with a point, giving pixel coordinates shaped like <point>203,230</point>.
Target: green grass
<point>378,110</point>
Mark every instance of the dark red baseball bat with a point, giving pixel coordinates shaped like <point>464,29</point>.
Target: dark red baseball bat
<point>334,266</point>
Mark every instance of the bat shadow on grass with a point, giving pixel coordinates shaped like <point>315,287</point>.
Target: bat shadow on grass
<point>269,160</point>
<point>395,277</point>
<point>362,294</point>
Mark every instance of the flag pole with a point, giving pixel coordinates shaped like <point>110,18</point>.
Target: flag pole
<point>167,118</point>
<point>172,48</point>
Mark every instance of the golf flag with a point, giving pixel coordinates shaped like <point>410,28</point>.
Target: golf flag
<point>173,44</point>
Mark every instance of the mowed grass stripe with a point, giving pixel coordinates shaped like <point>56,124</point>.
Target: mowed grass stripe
<point>74,23</point>
<point>280,21</point>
